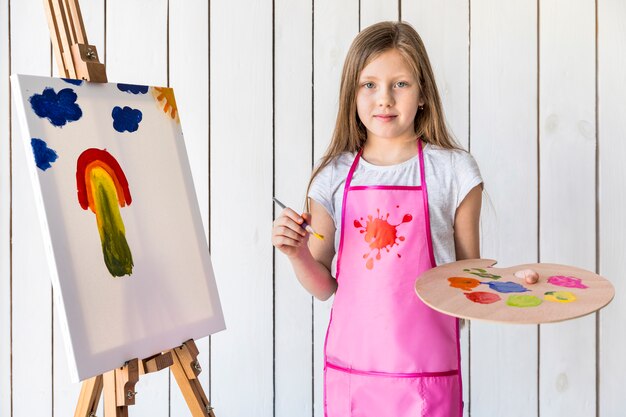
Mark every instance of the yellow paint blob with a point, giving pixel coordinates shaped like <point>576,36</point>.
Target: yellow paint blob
<point>100,179</point>
<point>560,296</point>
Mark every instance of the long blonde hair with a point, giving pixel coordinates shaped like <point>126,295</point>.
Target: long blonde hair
<point>350,133</point>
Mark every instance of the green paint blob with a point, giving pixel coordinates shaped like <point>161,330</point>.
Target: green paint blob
<point>523,301</point>
<point>479,272</point>
<point>115,249</point>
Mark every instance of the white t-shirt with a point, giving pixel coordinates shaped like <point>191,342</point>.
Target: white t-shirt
<point>450,175</point>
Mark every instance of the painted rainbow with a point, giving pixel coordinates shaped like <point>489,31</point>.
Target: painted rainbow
<point>102,187</point>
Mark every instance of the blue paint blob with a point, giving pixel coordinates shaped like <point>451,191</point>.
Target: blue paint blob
<point>126,119</point>
<point>72,81</point>
<point>57,108</point>
<point>43,155</point>
<point>506,287</point>
<point>132,88</point>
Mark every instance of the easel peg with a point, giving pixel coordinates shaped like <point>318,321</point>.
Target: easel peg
<point>187,354</point>
<point>156,363</point>
<point>125,379</point>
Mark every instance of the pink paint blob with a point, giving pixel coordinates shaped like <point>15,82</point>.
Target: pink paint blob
<point>569,282</point>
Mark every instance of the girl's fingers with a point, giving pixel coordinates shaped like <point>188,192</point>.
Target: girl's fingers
<point>290,223</point>
<point>285,243</point>
<point>289,213</point>
<point>287,232</point>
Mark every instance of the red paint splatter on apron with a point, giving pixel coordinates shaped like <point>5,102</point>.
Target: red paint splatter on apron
<point>380,234</point>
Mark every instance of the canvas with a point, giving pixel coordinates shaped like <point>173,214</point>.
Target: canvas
<point>121,224</point>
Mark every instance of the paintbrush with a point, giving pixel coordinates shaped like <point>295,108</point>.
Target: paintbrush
<point>304,224</point>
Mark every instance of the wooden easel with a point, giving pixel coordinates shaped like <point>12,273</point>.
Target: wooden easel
<point>78,60</point>
<point>119,384</point>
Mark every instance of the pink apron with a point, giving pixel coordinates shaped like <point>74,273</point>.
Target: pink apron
<point>386,353</point>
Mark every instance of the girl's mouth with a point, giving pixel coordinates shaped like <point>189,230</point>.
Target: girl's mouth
<point>385,117</point>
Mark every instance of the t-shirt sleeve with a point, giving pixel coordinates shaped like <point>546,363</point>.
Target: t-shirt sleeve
<point>321,189</point>
<point>467,174</point>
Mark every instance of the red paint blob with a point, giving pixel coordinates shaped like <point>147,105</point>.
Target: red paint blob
<point>482,297</point>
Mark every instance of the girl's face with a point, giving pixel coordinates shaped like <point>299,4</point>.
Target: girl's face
<point>387,97</point>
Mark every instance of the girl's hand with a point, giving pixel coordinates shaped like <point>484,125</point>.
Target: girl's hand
<point>288,236</point>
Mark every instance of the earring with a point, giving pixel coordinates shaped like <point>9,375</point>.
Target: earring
<point>420,108</point>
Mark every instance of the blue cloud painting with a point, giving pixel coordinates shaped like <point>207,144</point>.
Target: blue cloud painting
<point>132,88</point>
<point>72,81</point>
<point>44,156</point>
<point>59,108</point>
<point>126,119</point>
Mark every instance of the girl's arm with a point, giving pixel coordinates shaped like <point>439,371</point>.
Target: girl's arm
<point>466,225</point>
<point>311,262</point>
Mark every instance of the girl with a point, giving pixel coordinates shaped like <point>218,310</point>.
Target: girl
<point>399,197</point>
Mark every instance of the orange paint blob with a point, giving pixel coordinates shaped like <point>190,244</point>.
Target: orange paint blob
<point>466,284</point>
<point>380,234</point>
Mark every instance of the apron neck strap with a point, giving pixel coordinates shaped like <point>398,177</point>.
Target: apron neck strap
<point>360,152</point>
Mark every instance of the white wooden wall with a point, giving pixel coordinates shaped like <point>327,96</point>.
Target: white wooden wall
<point>534,88</point>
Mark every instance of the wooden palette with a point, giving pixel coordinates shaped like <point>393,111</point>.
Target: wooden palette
<point>472,289</point>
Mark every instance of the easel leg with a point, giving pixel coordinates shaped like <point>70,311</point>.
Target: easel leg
<point>110,401</point>
<point>186,369</point>
<point>89,398</point>
<point>119,389</point>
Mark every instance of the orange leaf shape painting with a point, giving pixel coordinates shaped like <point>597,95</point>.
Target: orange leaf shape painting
<point>102,187</point>
<point>380,234</point>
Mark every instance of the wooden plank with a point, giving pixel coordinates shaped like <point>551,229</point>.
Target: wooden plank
<point>66,393</point>
<point>5,214</point>
<point>567,199</point>
<point>189,76</point>
<point>241,206</point>
<point>136,41</point>
<point>373,11</point>
<point>444,29</point>
<point>612,200</point>
<point>335,26</point>
<point>503,120</point>
<point>31,299</point>
<point>136,52</point>
<point>293,144</point>
<point>188,70</point>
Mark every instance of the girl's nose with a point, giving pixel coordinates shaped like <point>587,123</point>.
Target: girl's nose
<point>385,99</point>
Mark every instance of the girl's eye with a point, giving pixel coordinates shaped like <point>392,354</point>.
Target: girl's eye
<point>368,85</point>
<point>402,84</point>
